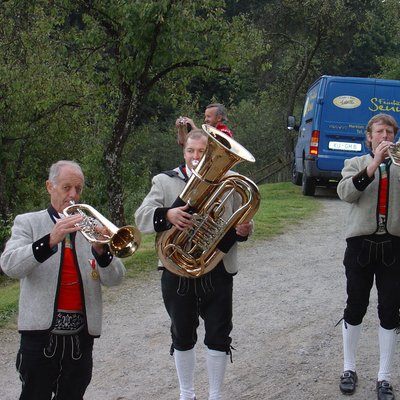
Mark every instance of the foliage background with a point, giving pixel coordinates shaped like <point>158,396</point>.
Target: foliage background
<point>102,82</point>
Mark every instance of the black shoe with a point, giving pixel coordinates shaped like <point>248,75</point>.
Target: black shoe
<point>384,390</point>
<point>348,382</point>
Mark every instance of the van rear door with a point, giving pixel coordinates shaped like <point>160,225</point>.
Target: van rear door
<point>344,115</point>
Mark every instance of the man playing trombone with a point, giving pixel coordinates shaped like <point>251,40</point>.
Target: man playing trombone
<point>60,305</point>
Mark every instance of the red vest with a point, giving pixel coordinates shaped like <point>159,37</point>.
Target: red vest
<point>70,296</point>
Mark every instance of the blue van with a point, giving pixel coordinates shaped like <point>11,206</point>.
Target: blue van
<point>332,127</point>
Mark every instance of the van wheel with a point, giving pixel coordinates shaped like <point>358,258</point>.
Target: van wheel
<point>296,175</point>
<point>308,185</point>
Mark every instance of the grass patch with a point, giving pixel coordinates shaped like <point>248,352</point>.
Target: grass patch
<point>9,293</point>
<point>282,205</point>
<point>144,260</point>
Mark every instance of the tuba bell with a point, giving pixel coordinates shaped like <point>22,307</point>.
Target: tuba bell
<point>123,242</point>
<point>195,251</point>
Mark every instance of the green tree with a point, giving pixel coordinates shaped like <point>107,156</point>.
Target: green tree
<point>139,47</point>
<point>388,38</point>
<point>82,79</point>
<point>39,103</point>
<point>308,39</point>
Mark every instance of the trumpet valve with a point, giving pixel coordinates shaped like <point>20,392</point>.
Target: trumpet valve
<point>394,153</point>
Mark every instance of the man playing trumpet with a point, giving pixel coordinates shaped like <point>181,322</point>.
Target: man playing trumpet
<point>60,305</point>
<point>371,185</point>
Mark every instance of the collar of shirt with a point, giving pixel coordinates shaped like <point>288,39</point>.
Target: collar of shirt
<point>188,171</point>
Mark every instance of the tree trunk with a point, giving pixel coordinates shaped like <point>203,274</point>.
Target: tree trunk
<point>305,63</point>
<point>4,209</point>
<point>113,157</point>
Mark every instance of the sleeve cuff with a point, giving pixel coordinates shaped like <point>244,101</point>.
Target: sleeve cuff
<point>104,260</point>
<point>227,241</point>
<point>362,180</point>
<point>41,249</point>
<point>241,238</point>
<point>160,221</point>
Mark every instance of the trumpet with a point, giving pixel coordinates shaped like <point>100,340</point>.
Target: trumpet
<point>123,242</point>
<point>394,153</point>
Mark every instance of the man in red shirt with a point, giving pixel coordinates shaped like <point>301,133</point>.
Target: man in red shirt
<point>370,185</point>
<point>214,115</point>
<point>61,280</point>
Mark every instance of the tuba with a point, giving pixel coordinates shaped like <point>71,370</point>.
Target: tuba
<point>123,242</point>
<point>194,251</point>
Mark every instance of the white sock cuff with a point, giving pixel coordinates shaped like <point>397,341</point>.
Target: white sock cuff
<point>216,353</point>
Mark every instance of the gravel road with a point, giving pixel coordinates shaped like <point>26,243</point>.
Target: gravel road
<point>288,296</point>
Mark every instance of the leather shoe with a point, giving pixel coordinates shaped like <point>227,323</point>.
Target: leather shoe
<point>348,382</point>
<point>384,390</point>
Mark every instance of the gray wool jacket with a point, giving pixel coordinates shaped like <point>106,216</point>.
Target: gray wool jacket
<point>164,191</point>
<point>362,193</point>
<point>27,257</point>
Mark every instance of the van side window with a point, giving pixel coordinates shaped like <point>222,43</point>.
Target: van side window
<point>309,105</point>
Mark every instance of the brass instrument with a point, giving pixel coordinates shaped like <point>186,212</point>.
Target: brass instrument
<point>194,252</point>
<point>123,242</point>
<point>394,153</point>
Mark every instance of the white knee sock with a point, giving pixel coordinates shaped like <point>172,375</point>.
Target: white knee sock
<point>185,362</point>
<point>216,365</point>
<point>387,343</point>
<point>351,336</point>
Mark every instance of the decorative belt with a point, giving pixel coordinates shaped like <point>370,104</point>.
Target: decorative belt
<point>381,225</point>
<point>68,322</point>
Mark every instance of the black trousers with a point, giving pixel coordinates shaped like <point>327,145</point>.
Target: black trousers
<point>368,258</point>
<point>54,367</point>
<point>209,297</point>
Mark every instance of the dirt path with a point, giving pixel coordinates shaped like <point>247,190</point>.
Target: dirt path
<point>288,296</point>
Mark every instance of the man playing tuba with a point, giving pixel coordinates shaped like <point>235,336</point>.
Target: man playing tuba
<point>185,298</point>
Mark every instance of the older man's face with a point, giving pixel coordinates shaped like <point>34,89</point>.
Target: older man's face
<point>68,187</point>
<point>211,117</point>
